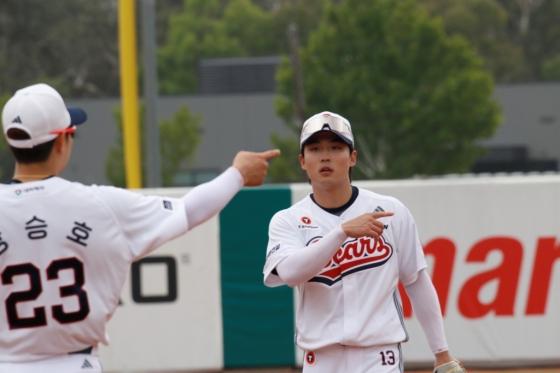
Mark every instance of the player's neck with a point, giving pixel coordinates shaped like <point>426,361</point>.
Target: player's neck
<point>330,196</point>
<point>34,171</point>
<point>53,166</point>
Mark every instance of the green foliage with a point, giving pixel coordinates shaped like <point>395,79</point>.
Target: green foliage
<point>179,139</point>
<point>485,24</point>
<point>38,47</point>
<point>286,168</point>
<point>70,44</point>
<point>232,28</point>
<point>541,42</point>
<point>417,99</point>
<point>551,69</point>
<point>195,33</point>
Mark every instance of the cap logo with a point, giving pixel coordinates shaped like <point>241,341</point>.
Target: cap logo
<point>16,120</point>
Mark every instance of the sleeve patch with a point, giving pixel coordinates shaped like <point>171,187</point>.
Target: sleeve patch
<point>167,205</point>
<point>274,249</point>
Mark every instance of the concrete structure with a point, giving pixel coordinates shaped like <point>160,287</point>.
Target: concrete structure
<point>528,138</point>
<point>229,123</point>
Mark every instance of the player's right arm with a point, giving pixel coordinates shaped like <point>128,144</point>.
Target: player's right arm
<point>366,225</point>
<point>206,200</point>
<point>300,263</point>
<point>148,222</point>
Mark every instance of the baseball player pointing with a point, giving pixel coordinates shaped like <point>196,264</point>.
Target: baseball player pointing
<point>346,249</point>
<point>65,248</point>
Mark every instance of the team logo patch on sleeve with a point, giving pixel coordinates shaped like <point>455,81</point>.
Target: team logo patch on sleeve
<point>167,205</point>
<point>310,358</point>
<point>354,256</point>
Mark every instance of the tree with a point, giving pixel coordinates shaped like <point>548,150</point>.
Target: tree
<point>195,33</point>
<point>69,44</point>
<point>179,139</point>
<point>417,99</point>
<point>228,28</point>
<point>485,24</point>
<point>534,27</point>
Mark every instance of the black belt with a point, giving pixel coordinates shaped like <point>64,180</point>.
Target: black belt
<point>86,351</point>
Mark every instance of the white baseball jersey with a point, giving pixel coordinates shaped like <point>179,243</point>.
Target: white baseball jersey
<point>354,300</point>
<point>65,250</point>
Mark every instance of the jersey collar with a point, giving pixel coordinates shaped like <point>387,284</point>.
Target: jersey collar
<point>339,210</point>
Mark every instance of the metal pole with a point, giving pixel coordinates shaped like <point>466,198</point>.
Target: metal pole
<point>153,156</point>
<point>129,93</point>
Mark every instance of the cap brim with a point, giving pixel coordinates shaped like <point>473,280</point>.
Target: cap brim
<point>77,115</point>
<point>344,139</point>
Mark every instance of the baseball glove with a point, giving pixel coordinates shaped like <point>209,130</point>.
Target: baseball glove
<point>454,366</point>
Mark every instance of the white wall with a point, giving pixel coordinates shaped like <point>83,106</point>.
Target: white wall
<point>179,335</point>
<point>517,214</point>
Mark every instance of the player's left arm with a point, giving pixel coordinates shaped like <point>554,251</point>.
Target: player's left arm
<point>419,287</point>
<point>425,303</point>
<point>426,307</point>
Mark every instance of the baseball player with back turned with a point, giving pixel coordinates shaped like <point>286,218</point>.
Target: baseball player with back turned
<point>65,248</point>
<point>346,249</point>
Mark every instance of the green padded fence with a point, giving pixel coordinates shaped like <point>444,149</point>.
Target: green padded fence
<point>258,322</point>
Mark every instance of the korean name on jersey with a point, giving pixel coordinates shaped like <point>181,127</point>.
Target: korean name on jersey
<point>354,300</point>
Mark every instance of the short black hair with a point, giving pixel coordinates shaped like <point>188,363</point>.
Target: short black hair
<point>36,154</point>
<point>350,147</point>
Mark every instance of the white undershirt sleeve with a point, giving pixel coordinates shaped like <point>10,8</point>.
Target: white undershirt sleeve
<point>302,265</point>
<point>425,304</point>
<point>206,200</point>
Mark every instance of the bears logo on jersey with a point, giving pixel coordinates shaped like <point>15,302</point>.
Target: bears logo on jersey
<point>354,256</point>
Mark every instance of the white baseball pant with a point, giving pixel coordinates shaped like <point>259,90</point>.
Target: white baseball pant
<point>78,363</point>
<point>347,359</point>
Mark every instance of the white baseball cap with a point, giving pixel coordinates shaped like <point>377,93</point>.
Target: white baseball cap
<point>39,110</point>
<point>327,122</point>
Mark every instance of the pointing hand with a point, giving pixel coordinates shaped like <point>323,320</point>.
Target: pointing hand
<point>366,225</point>
<point>253,166</point>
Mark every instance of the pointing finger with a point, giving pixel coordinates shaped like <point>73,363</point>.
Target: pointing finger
<point>269,154</point>
<point>382,214</point>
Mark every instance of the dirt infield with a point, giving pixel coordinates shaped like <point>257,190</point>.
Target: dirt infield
<point>298,370</point>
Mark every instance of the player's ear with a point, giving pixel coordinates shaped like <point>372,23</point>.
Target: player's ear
<point>353,158</point>
<point>302,162</point>
<point>59,143</point>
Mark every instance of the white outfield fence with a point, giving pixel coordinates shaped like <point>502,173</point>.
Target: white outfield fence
<point>493,250</point>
